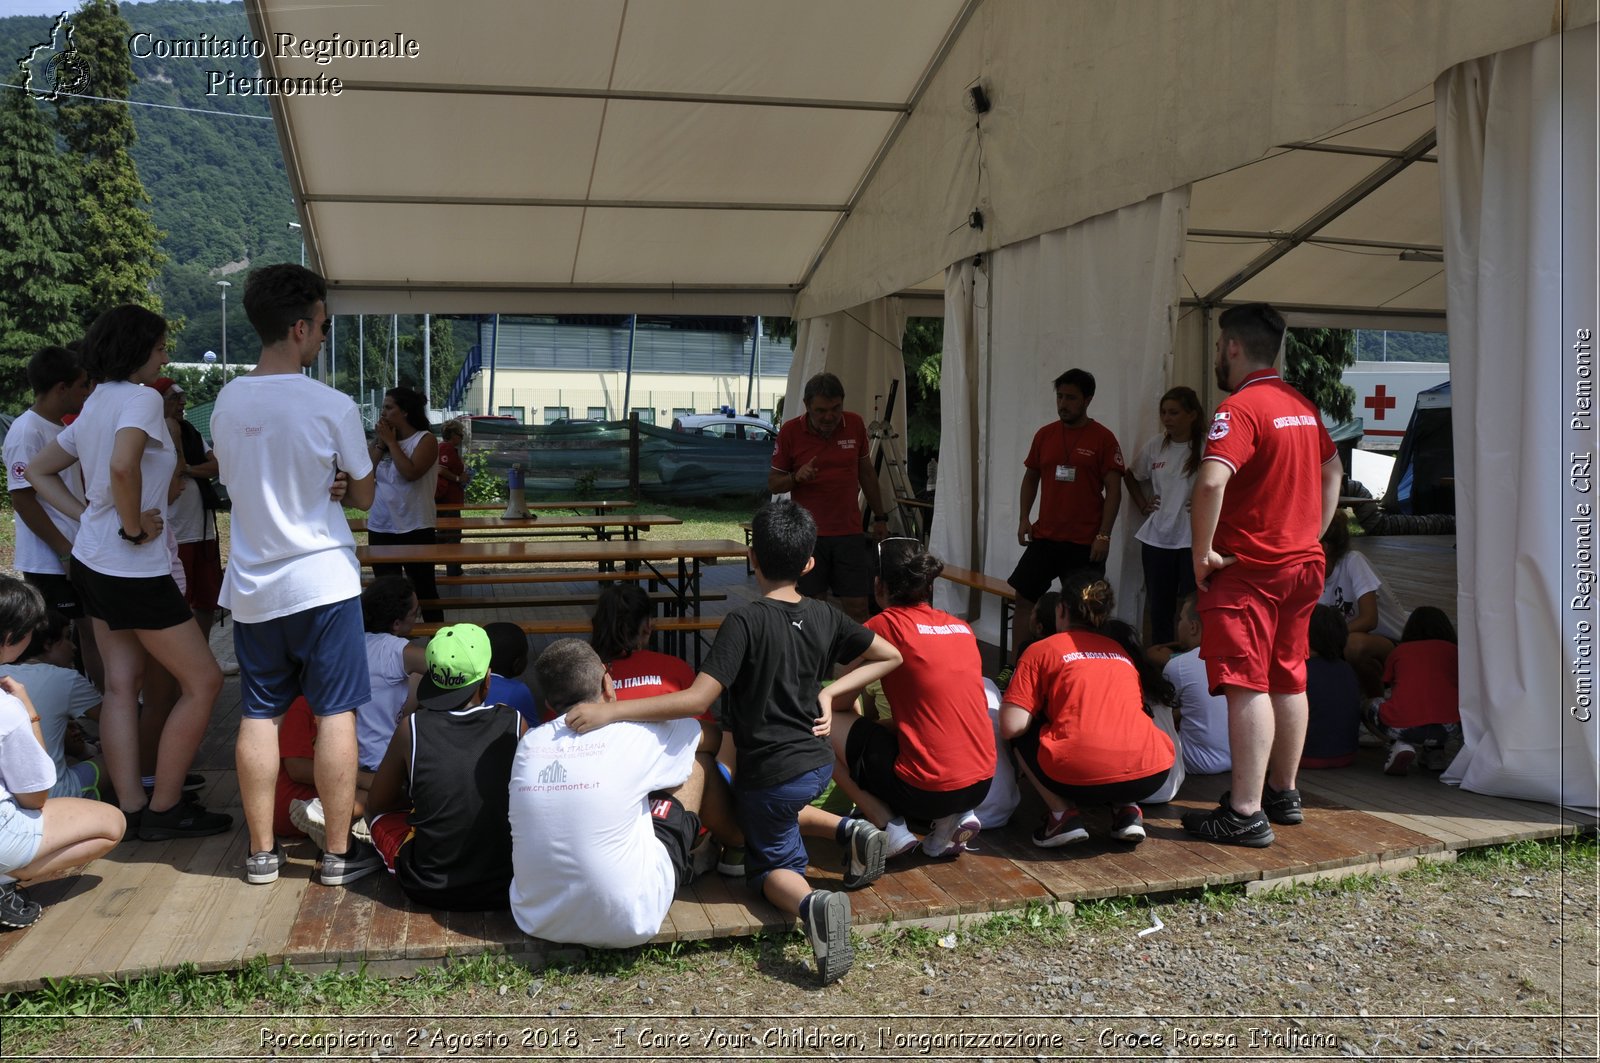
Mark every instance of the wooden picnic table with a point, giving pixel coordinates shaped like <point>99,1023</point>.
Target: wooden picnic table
<point>601,527</point>
<point>688,554</point>
<point>596,506</point>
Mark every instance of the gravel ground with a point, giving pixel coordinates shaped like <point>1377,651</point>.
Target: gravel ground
<point>1487,958</point>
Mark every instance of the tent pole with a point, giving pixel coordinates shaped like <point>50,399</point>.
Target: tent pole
<point>394,332</point>
<point>361,357</point>
<point>494,351</point>
<point>627,381</point>
<point>427,361</point>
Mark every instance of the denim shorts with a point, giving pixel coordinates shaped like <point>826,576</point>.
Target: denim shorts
<point>320,653</point>
<point>770,819</point>
<point>21,834</point>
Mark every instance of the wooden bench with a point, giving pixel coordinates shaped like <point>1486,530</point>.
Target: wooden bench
<point>539,601</point>
<point>490,579</point>
<point>1007,594</point>
<point>674,627</point>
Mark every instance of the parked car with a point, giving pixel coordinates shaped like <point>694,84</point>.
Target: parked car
<point>730,454</point>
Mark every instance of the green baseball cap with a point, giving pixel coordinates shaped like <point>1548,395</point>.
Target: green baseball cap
<point>458,663</point>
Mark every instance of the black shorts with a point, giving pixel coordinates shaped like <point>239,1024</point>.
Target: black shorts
<point>130,603</point>
<point>870,753</point>
<point>843,567</point>
<point>58,591</point>
<point>1128,792</point>
<point>677,829</point>
<point>1046,560</point>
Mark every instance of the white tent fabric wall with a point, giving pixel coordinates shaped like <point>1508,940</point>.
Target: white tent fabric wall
<point>958,516</point>
<point>1100,295</point>
<point>861,346</point>
<point>1517,163</point>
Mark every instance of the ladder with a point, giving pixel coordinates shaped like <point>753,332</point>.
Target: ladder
<point>887,451</point>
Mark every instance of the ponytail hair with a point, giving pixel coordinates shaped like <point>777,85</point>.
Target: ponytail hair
<point>1190,403</point>
<point>620,614</point>
<point>907,571</point>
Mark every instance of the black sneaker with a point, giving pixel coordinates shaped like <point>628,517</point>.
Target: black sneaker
<point>1127,824</point>
<point>186,819</point>
<point>1282,806</point>
<point>827,924</point>
<point>16,910</point>
<point>865,849</point>
<point>1223,824</point>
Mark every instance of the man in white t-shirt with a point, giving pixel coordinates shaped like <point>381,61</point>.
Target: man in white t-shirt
<point>44,534</point>
<point>289,449</point>
<point>602,823</point>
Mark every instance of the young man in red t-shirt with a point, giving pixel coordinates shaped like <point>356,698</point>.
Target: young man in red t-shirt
<point>821,460</point>
<point>1075,468</point>
<point>1265,490</point>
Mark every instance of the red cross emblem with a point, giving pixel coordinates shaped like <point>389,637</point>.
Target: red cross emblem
<point>1380,401</point>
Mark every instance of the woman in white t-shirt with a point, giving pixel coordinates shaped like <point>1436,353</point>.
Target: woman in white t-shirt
<point>122,570</point>
<point>1160,483</point>
<point>406,457</point>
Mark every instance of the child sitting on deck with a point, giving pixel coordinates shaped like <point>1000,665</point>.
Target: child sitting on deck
<point>440,803</point>
<point>508,649</point>
<point>1333,695</point>
<point>39,834</point>
<point>772,656</point>
<point>389,611</point>
<point>61,696</point>
<point>1202,716</point>
<point>1423,707</point>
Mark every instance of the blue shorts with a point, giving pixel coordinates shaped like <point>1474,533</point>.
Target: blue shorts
<point>319,652</point>
<point>770,819</point>
<point>21,834</point>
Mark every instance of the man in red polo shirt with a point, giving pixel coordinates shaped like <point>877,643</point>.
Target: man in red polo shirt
<point>1265,490</point>
<point>821,460</point>
<point>1075,468</point>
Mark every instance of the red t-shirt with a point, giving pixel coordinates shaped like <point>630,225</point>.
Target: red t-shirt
<point>1273,440</point>
<point>297,736</point>
<point>1421,677</point>
<point>831,497</point>
<point>1072,464</point>
<point>646,673</point>
<point>946,737</point>
<point>1095,729</point>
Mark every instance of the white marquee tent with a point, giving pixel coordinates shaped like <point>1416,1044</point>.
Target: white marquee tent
<point>1140,163</point>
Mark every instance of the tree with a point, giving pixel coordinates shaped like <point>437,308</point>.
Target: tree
<point>1314,363</point>
<point>39,301</point>
<point>119,244</point>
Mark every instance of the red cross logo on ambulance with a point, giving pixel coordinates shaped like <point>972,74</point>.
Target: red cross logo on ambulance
<point>1219,426</point>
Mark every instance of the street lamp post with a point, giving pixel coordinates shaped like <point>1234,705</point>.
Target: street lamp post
<point>224,285</point>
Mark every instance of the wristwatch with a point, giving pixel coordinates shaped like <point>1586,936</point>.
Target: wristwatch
<point>136,540</point>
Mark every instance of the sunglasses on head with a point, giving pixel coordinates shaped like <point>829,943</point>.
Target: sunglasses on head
<point>895,539</point>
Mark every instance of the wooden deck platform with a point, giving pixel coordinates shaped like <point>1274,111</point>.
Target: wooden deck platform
<point>156,905</point>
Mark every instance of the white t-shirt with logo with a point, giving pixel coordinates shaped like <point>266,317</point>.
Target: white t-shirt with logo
<point>587,868</point>
<point>28,435</point>
<point>1351,579</point>
<point>278,439</point>
<point>113,406</point>
<point>1160,464</point>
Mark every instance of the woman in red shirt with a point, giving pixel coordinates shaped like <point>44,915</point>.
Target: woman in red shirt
<point>1075,715</point>
<point>938,760</point>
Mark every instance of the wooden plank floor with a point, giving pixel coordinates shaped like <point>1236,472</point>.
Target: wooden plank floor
<point>1419,569</point>
<point>151,906</point>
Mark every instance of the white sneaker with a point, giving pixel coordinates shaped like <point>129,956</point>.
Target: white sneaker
<point>901,840</point>
<point>307,815</point>
<point>1401,756</point>
<point>951,834</point>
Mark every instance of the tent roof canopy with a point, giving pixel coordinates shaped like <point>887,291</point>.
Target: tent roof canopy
<point>779,157</point>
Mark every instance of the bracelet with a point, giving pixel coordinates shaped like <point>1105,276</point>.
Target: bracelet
<point>34,718</point>
<point>134,539</point>
<point>1102,538</point>
<point>880,518</point>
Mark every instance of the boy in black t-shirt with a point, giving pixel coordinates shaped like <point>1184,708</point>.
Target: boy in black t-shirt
<point>772,657</point>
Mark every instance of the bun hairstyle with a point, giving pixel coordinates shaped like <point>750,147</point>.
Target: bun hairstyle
<point>1088,599</point>
<point>907,571</point>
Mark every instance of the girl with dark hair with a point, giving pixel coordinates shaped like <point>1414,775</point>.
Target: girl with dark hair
<point>1333,697</point>
<point>1160,482</point>
<point>39,834</point>
<point>1424,703</point>
<point>937,761</point>
<point>1075,714</point>
<point>621,635</point>
<point>1351,587</point>
<point>122,569</point>
<point>406,457</point>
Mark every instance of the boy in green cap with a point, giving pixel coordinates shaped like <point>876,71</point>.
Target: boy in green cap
<point>438,806</point>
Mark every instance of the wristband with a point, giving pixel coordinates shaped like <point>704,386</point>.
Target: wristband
<point>136,540</point>
<point>880,518</point>
<point>1102,538</point>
